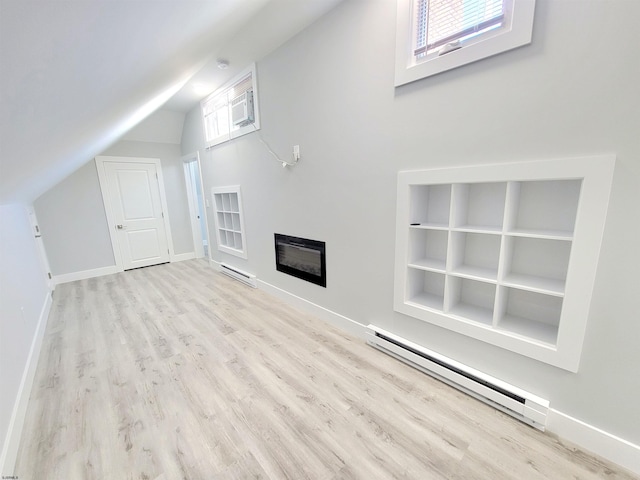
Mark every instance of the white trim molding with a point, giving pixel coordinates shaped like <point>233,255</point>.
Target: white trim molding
<point>595,440</point>
<point>16,423</point>
<point>84,274</point>
<point>181,257</point>
<point>193,201</point>
<point>110,270</point>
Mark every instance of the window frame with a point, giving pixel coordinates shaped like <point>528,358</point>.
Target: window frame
<point>517,32</point>
<point>219,95</point>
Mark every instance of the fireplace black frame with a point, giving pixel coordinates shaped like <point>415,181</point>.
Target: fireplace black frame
<point>297,242</point>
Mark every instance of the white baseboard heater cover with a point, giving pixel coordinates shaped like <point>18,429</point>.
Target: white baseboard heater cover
<point>522,405</point>
<point>244,277</point>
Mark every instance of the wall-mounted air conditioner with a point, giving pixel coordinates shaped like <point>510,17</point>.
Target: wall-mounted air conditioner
<point>242,109</point>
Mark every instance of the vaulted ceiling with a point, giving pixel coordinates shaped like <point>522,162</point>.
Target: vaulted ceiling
<point>75,75</point>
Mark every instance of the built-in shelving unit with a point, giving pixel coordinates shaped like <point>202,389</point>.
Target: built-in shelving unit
<point>504,253</point>
<point>229,222</point>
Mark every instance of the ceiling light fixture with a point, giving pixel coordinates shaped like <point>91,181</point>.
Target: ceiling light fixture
<point>223,64</point>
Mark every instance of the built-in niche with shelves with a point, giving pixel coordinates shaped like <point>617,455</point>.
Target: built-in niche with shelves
<point>504,253</point>
<point>227,205</point>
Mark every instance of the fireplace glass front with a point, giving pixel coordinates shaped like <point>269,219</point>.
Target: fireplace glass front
<point>302,258</point>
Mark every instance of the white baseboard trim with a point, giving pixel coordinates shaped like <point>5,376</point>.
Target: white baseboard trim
<point>16,423</point>
<point>604,444</point>
<point>181,257</point>
<point>83,275</point>
<point>99,272</point>
<point>329,316</point>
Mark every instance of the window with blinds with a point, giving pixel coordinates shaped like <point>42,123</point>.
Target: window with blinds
<point>442,22</point>
<point>232,110</point>
<point>437,35</point>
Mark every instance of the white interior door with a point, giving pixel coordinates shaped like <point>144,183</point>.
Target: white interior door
<point>134,196</point>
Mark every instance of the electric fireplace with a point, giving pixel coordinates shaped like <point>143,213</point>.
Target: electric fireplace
<point>302,258</point>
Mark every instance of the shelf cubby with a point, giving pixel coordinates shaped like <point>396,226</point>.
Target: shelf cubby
<point>470,299</point>
<point>430,205</point>
<point>233,203</point>
<point>475,255</point>
<point>227,238</point>
<point>237,240</point>
<point>235,221</point>
<point>528,314</point>
<point>536,264</point>
<point>228,219</point>
<point>479,206</point>
<point>427,288</point>
<point>428,248</point>
<point>226,202</point>
<point>544,207</point>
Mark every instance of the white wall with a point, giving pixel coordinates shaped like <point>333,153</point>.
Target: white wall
<point>573,91</point>
<point>72,217</point>
<point>74,224</point>
<point>23,297</point>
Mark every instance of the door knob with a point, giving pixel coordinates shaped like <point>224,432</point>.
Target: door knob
<point>120,227</point>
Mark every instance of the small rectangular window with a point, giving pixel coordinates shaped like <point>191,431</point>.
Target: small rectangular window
<point>232,110</point>
<point>441,22</point>
<point>437,35</point>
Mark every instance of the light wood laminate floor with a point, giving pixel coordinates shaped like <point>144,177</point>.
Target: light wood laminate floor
<point>178,372</point>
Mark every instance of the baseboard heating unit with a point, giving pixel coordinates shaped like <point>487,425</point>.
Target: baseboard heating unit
<point>511,400</point>
<point>244,277</point>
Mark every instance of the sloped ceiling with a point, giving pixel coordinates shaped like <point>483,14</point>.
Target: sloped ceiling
<point>76,75</point>
<point>162,126</point>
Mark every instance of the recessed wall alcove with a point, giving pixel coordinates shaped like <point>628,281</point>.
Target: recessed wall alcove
<point>504,253</point>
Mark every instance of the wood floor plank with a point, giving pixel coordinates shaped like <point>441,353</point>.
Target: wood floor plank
<point>178,372</point>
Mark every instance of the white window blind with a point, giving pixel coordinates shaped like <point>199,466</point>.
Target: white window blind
<point>439,22</point>
<point>241,87</point>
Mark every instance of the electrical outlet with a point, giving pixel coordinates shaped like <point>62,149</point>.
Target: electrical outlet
<point>296,153</point>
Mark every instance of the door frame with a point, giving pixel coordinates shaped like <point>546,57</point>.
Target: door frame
<point>192,199</point>
<point>42,252</point>
<point>102,177</point>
